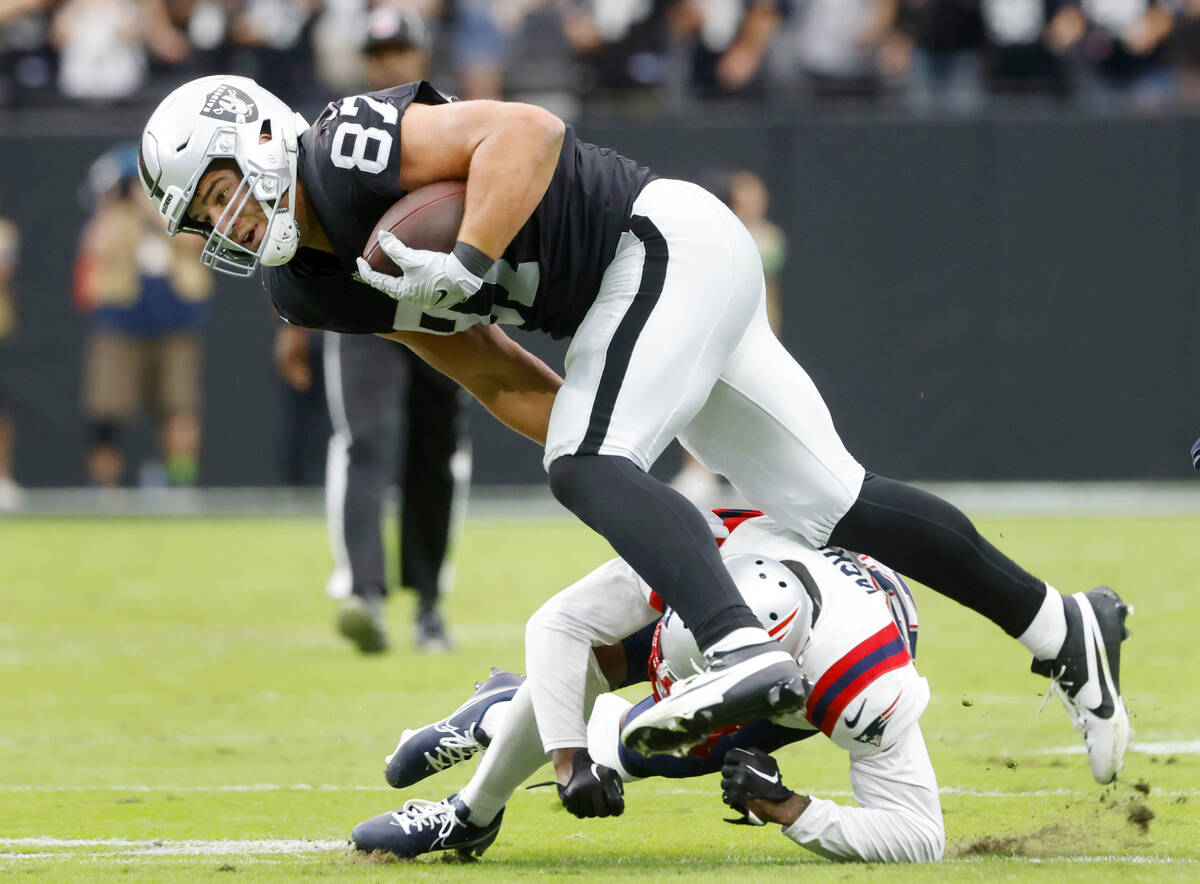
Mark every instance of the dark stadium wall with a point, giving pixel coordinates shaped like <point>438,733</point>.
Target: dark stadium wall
<point>1006,298</point>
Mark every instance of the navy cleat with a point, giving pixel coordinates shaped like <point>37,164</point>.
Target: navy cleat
<point>456,738</point>
<point>1086,677</point>
<point>425,827</point>
<point>744,684</point>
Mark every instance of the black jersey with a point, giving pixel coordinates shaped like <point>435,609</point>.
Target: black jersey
<point>547,278</point>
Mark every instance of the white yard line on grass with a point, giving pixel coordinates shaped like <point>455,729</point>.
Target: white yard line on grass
<point>1170,747</point>
<point>244,787</point>
<point>179,848</point>
<point>534,501</point>
<point>329,787</point>
<point>1052,860</point>
<point>61,848</point>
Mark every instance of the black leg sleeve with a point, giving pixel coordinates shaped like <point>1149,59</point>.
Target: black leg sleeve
<point>929,540</point>
<point>435,415</point>
<point>660,534</point>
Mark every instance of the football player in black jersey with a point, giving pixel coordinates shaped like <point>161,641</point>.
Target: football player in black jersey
<point>660,289</point>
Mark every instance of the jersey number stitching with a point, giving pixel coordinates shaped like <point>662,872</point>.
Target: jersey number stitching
<point>361,137</point>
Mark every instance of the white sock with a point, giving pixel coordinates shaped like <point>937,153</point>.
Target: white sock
<point>515,754</point>
<point>493,720</point>
<point>604,733</point>
<point>739,638</point>
<point>1045,636</point>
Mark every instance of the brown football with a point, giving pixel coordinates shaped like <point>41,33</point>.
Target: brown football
<point>426,218</point>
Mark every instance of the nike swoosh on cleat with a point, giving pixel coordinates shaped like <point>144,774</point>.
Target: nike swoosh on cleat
<point>1106,707</point>
<point>852,723</point>
<point>759,773</point>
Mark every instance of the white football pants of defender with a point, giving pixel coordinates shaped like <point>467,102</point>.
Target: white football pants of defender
<point>705,367</point>
<point>898,817</point>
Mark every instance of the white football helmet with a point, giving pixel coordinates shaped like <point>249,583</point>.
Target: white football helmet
<point>215,117</point>
<point>770,589</point>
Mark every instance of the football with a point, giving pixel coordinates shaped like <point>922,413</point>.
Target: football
<point>426,218</point>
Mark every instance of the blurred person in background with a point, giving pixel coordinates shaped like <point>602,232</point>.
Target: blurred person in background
<point>943,71</point>
<point>1124,47</point>
<point>825,48</point>
<point>730,39</point>
<point>273,44</point>
<point>540,67</point>
<point>27,60</point>
<point>206,24</point>
<point>623,50</point>
<point>340,25</point>
<point>1185,51</point>
<point>147,301</point>
<point>374,386</point>
<point>1025,48</point>
<point>747,195</point>
<point>103,46</point>
<point>840,47</point>
<point>10,243</point>
<point>479,46</point>
<point>304,429</point>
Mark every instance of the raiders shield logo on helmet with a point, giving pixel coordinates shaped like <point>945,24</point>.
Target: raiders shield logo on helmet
<point>230,103</point>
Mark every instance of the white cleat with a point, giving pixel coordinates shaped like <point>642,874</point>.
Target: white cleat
<point>1086,677</point>
<point>741,685</point>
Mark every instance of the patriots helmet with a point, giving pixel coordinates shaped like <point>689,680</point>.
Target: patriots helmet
<point>225,117</point>
<point>770,589</point>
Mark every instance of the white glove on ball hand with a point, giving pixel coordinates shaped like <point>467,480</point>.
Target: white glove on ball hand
<point>430,279</point>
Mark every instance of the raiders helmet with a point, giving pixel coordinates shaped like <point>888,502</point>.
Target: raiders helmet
<point>770,589</point>
<point>224,117</point>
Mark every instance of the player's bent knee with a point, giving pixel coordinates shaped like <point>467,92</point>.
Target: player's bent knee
<point>936,847</point>
<point>931,843</point>
<point>574,478</point>
<point>538,622</point>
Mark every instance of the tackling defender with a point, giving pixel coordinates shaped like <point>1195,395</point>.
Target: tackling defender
<point>660,288</point>
<point>852,623</point>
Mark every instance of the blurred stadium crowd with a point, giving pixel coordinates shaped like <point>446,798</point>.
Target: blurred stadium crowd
<point>629,55</point>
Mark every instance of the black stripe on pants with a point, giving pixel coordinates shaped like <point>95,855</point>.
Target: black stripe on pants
<point>620,348</point>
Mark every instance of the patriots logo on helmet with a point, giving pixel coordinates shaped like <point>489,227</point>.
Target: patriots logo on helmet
<point>230,103</point>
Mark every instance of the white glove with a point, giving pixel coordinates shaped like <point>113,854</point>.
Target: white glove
<point>430,279</point>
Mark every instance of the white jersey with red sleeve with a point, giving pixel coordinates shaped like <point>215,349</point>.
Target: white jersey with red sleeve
<point>859,657</point>
<point>867,696</point>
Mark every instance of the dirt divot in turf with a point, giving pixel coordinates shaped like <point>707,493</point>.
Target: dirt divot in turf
<point>1054,840</point>
<point>384,858</point>
<point>1070,839</point>
<point>374,858</point>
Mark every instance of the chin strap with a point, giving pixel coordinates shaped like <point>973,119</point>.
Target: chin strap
<point>282,239</point>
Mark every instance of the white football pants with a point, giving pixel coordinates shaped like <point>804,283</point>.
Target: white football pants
<point>677,344</point>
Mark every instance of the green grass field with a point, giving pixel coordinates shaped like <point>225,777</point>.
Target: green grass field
<point>174,705</point>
